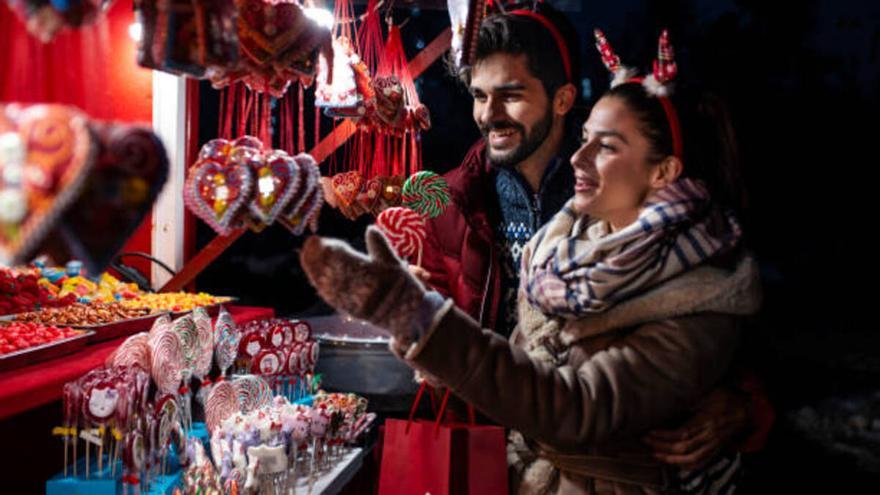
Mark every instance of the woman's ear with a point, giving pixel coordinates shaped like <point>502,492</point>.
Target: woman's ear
<point>564,98</point>
<point>666,172</point>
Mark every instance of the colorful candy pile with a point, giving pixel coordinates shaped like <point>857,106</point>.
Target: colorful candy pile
<point>23,290</point>
<point>173,301</point>
<point>282,351</point>
<point>78,314</point>
<point>16,336</point>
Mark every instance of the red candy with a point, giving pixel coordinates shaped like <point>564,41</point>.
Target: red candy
<point>16,336</point>
<point>20,293</point>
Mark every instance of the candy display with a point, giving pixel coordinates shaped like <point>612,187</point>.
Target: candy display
<point>427,193</point>
<point>103,408</point>
<point>17,336</point>
<point>173,301</point>
<point>84,315</point>
<point>269,448</point>
<point>405,229</point>
<point>281,351</point>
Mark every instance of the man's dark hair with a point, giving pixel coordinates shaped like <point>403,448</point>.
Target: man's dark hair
<point>521,35</point>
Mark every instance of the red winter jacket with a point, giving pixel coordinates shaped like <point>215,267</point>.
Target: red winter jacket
<point>460,251</point>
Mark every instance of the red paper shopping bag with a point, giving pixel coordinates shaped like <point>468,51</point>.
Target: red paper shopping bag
<point>421,457</point>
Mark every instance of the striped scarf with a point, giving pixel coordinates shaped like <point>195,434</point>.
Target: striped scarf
<point>575,265</point>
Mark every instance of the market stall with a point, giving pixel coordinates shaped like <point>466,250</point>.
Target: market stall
<point>162,388</point>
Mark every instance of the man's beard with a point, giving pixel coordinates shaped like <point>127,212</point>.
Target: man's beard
<point>531,141</point>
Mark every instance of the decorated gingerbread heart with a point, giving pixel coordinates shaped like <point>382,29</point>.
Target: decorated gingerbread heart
<point>217,193</point>
<point>370,193</point>
<point>276,180</point>
<point>346,186</point>
<point>310,177</point>
<point>277,39</point>
<point>389,101</point>
<point>129,173</point>
<point>46,153</point>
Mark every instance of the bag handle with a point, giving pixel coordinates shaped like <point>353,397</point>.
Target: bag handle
<point>440,414</point>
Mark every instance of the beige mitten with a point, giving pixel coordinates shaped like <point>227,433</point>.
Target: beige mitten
<point>377,288</point>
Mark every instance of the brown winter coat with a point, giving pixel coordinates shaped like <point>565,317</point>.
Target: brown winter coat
<point>582,392</point>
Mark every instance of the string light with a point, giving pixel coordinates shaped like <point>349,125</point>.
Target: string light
<point>322,17</point>
<point>136,31</point>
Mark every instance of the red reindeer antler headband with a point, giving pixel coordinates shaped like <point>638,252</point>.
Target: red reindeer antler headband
<point>658,83</point>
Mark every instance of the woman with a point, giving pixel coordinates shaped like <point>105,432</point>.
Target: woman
<point>629,309</point>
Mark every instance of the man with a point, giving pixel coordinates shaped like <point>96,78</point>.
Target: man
<point>515,178</point>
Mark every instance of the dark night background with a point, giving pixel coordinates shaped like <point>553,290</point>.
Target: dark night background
<point>801,79</point>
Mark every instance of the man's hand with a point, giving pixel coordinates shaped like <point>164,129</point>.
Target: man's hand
<point>721,416</point>
<point>420,273</point>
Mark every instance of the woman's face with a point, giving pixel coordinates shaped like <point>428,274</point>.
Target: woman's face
<point>612,172</point>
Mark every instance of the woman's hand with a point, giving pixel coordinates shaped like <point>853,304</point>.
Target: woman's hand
<point>721,416</point>
<point>377,288</point>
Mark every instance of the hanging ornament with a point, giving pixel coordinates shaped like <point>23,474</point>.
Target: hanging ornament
<point>197,38</point>
<point>276,179</point>
<point>44,19</point>
<point>46,153</point>
<point>465,17</point>
<point>218,188</point>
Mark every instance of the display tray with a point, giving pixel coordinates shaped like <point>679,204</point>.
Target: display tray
<point>212,309</point>
<point>120,328</point>
<point>51,350</point>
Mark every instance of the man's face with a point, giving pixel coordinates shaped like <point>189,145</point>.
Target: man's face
<point>511,108</point>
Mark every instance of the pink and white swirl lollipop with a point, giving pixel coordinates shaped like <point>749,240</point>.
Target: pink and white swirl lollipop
<point>226,338</point>
<point>134,351</point>
<point>222,402</point>
<point>167,361</point>
<point>252,393</point>
<point>205,349</point>
<point>405,229</point>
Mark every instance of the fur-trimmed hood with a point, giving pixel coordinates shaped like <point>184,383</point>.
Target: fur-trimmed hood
<point>704,289</point>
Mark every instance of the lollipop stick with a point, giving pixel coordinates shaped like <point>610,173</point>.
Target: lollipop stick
<point>88,461</point>
<point>75,457</point>
<point>419,257</point>
<point>101,457</point>
<point>66,442</point>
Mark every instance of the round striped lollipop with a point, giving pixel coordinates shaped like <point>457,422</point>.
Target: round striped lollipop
<point>222,402</point>
<point>404,228</point>
<point>427,193</point>
<point>167,356</point>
